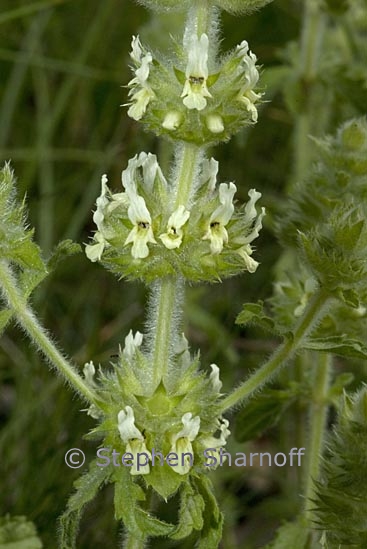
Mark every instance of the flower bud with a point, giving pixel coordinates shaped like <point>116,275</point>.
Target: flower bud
<point>172,120</point>
<point>215,123</point>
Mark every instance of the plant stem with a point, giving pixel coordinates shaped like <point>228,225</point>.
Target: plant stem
<point>311,42</point>
<point>318,419</point>
<point>188,160</point>
<point>200,19</point>
<point>166,308</point>
<point>202,16</point>
<point>38,335</point>
<point>167,315</point>
<point>133,543</point>
<point>282,355</point>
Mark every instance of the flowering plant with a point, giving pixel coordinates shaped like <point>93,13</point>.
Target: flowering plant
<point>160,417</point>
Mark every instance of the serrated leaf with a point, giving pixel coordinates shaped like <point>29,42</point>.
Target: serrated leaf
<point>211,533</point>
<point>87,487</point>
<point>27,254</point>
<point>261,413</point>
<point>291,535</point>
<point>253,313</point>
<point>191,513</point>
<point>16,244</point>
<point>62,250</point>
<point>138,522</point>
<point>339,345</point>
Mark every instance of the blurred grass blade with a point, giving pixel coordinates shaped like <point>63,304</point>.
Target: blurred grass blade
<point>23,11</point>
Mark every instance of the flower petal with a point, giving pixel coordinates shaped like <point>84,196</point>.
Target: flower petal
<point>126,425</point>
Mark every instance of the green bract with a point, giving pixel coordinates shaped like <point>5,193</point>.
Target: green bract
<point>326,214</point>
<point>337,181</point>
<point>342,491</point>
<point>336,251</point>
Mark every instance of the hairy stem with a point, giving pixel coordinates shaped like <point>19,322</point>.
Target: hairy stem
<point>201,19</point>
<point>166,301</point>
<point>188,160</point>
<point>167,308</point>
<point>282,355</point>
<point>132,542</point>
<point>318,419</point>
<point>166,298</point>
<point>37,333</point>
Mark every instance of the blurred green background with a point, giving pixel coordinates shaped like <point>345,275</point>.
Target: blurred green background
<point>63,68</point>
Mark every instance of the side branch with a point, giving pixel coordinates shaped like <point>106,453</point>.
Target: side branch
<point>38,334</point>
<point>282,355</point>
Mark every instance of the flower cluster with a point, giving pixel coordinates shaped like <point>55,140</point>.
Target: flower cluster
<point>203,101</point>
<point>141,233</point>
<point>177,416</point>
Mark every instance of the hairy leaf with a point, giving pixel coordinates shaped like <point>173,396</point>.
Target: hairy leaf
<point>338,344</point>
<point>87,487</point>
<point>191,513</point>
<point>137,521</point>
<point>211,533</point>
<point>253,313</point>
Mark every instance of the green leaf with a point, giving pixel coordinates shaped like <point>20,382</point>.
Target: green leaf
<point>291,535</point>
<point>29,280</point>
<point>18,533</point>
<point>137,521</point>
<point>16,244</point>
<point>338,344</point>
<point>27,254</point>
<point>63,250</point>
<point>211,533</point>
<point>253,313</point>
<point>164,480</point>
<point>191,513</point>
<point>87,487</point>
<point>261,413</point>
